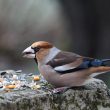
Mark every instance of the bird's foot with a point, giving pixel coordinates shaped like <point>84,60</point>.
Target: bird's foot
<point>64,89</point>
<point>80,88</point>
<point>59,90</point>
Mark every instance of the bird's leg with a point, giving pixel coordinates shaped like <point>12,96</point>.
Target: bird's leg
<point>63,89</point>
<point>78,88</point>
<point>60,90</point>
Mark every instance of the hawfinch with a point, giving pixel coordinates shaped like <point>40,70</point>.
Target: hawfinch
<point>64,69</point>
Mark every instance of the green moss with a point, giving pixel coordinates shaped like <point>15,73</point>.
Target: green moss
<point>1,97</point>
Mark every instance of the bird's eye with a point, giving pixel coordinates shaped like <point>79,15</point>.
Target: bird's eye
<point>36,49</point>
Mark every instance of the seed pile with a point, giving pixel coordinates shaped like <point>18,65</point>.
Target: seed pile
<point>11,80</point>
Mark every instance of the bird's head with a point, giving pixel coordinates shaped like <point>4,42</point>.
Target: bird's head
<point>37,50</point>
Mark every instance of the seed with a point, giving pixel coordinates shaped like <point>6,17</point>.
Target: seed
<point>15,77</point>
<point>1,79</point>
<point>38,86</point>
<point>10,86</point>
<point>36,78</point>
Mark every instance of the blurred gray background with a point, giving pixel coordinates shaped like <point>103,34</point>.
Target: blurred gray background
<point>80,26</point>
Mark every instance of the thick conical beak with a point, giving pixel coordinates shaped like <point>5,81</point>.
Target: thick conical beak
<point>28,53</point>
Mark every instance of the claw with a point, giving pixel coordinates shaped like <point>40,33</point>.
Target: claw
<point>59,90</point>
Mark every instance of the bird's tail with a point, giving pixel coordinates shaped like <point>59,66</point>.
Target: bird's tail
<point>97,62</point>
<point>102,66</point>
<point>105,62</point>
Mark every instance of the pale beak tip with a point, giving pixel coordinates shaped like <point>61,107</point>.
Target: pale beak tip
<point>23,54</point>
<point>28,53</point>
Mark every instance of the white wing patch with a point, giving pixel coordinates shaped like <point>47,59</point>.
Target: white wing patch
<point>69,66</point>
<point>64,67</point>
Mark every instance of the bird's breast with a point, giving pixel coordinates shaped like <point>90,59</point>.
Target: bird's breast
<point>50,75</point>
<point>61,80</point>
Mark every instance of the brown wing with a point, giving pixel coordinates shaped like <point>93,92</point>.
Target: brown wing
<point>72,60</point>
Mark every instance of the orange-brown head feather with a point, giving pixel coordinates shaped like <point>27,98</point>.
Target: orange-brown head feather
<point>44,48</point>
<point>42,44</point>
<point>42,51</point>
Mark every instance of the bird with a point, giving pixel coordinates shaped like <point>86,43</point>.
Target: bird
<point>64,69</point>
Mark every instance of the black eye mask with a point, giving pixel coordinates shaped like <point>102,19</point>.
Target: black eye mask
<point>36,49</point>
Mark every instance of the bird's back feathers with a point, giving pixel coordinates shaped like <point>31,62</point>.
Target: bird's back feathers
<point>67,62</point>
<point>65,58</point>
